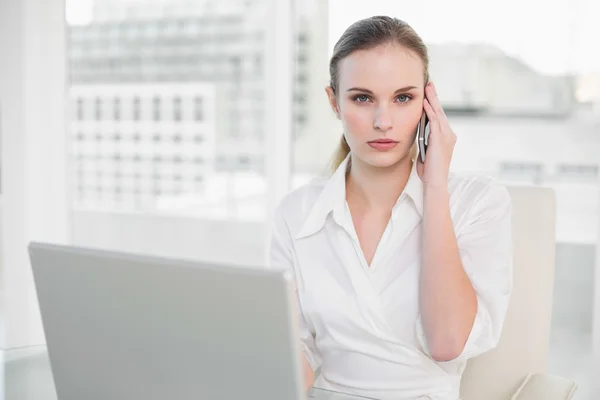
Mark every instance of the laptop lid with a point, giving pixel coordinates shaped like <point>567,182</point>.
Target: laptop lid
<point>122,326</point>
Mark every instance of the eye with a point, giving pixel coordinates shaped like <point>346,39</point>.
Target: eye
<point>404,98</point>
<point>361,98</point>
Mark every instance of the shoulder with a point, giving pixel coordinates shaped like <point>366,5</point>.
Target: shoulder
<point>294,208</point>
<point>478,191</point>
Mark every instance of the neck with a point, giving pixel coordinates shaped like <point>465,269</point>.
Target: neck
<point>375,188</point>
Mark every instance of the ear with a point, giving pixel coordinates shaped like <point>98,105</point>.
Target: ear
<point>333,101</point>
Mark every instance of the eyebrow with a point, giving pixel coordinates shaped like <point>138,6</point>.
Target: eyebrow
<point>358,89</point>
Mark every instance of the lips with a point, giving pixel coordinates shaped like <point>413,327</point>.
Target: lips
<point>382,144</point>
<point>383,141</point>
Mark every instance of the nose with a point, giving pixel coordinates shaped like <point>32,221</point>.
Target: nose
<point>383,118</point>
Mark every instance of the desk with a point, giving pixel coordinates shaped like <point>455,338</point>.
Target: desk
<point>27,376</point>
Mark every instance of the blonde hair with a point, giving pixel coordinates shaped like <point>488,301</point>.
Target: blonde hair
<point>367,34</point>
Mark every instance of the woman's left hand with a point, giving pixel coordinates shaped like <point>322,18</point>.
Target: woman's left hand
<point>440,145</point>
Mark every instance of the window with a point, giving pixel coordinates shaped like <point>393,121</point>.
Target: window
<point>578,171</point>
<point>117,109</point>
<point>244,161</point>
<point>301,78</point>
<point>300,98</point>
<point>80,106</point>
<point>156,108</point>
<point>136,109</point>
<point>177,108</point>
<point>98,105</point>
<point>258,63</point>
<point>221,162</point>
<point>521,168</point>
<point>523,171</point>
<point>198,109</point>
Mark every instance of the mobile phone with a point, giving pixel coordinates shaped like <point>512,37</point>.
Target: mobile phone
<point>423,135</point>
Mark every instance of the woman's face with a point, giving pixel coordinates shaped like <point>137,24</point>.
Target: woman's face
<point>379,101</point>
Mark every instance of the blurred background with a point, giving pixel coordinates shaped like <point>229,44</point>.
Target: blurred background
<point>185,121</point>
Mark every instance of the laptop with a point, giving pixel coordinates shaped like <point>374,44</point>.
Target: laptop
<point>124,326</point>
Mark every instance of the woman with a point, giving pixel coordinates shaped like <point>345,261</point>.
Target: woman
<point>403,271</point>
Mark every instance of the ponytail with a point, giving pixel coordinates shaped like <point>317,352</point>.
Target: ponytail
<point>414,150</point>
<point>340,154</point>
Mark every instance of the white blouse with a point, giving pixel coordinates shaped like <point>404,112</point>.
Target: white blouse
<point>361,325</point>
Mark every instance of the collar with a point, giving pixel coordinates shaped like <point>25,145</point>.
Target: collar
<point>414,190</point>
<point>333,199</point>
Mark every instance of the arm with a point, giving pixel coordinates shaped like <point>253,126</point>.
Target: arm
<point>485,249</point>
<point>447,298</point>
<point>466,277</point>
<point>308,373</point>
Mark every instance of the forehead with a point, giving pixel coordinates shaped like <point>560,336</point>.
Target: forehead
<point>382,68</point>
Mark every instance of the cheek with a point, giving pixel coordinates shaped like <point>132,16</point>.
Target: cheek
<point>356,120</point>
<point>410,117</point>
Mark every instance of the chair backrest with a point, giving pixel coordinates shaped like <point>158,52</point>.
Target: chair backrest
<point>523,347</point>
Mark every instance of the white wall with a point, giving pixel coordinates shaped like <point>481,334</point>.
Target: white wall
<point>34,154</point>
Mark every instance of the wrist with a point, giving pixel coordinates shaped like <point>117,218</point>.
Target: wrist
<point>435,189</point>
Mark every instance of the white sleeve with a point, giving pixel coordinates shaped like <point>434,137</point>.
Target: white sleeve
<point>282,256</point>
<point>486,252</point>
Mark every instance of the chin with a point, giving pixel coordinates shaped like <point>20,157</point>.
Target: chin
<point>383,159</point>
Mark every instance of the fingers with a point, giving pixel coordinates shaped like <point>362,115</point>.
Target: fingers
<point>434,100</point>
<point>436,105</point>
<point>437,118</point>
<point>431,114</point>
